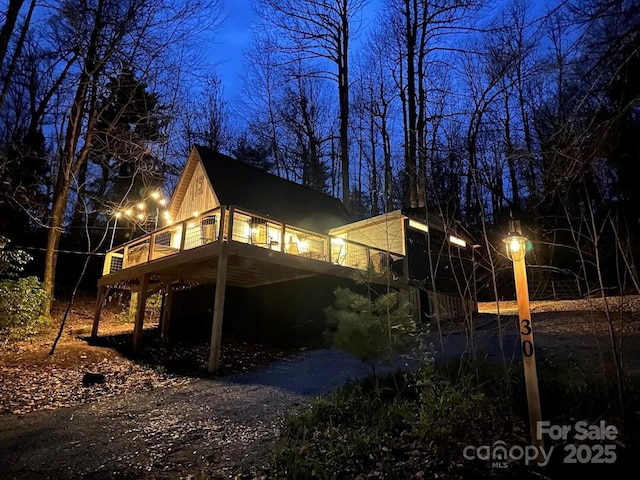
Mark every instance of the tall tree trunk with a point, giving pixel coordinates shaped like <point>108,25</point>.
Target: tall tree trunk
<point>4,42</point>
<point>374,167</point>
<point>71,159</point>
<point>343,94</point>
<point>9,25</point>
<point>410,157</point>
<point>515,194</point>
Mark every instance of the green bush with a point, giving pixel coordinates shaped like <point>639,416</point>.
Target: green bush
<point>12,261</point>
<point>21,308</point>
<point>372,329</point>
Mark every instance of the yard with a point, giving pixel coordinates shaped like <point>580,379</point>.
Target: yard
<point>160,416</point>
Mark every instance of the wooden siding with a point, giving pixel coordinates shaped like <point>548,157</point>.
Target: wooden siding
<point>199,196</point>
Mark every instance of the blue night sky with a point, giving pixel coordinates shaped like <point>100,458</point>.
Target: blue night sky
<point>231,39</point>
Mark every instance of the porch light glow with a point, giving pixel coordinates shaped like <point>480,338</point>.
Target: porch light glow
<point>196,213</point>
<point>516,246</point>
<point>337,241</point>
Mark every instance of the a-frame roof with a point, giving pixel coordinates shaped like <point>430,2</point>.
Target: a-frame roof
<point>245,186</point>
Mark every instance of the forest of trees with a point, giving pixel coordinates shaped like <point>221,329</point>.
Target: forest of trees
<point>476,110</point>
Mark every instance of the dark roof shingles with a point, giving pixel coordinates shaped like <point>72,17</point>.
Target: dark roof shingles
<point>243,185</point>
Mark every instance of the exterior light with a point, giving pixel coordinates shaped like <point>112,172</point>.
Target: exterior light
<point>128,212</point>
<point>196,213</point>
<point>156,195</point>
<point>140,206</point>
<point>418,226</point>
<point>118,214</point>
<point>516,246</point>
<point>337,241</point>
<point>162,202</point>
<point>140,216</point>
<point>457,241</point>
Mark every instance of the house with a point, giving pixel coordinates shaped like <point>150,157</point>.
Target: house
<point>233,225</point>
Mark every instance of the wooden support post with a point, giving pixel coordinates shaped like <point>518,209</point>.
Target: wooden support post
<point>283,232</point>
<point>152,240</point>
<point>141,301</point>
<point>166,314</point>
<point>102,293</point>
<point>163,298</point>
<point>221,233</point>
<point>218,309</point>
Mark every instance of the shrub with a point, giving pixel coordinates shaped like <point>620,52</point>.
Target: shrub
<point>371,329</point>
<point>12,262</point>
<point>21,306</point>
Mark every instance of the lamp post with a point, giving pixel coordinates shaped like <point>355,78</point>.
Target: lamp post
<point>516,249</point>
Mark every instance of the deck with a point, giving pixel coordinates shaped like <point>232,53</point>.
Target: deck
<point>228,245</point>
<point>261,251</point>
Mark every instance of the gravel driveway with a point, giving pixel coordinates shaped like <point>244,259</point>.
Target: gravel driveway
<point>223,426</point>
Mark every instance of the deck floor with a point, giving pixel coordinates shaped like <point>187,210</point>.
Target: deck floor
<point>248,266</point>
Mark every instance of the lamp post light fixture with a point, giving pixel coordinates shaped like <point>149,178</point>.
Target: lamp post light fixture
<point>516,246</point>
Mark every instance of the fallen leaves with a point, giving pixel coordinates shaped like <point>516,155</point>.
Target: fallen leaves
<point>24,389</point>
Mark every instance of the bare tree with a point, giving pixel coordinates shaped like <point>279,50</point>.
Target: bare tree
<point>205,118</point>
<point>104,36</point>
<point>421,31</point>
<point>321,29</point>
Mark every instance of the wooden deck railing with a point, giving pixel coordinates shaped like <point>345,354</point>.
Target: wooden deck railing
<point>249,228</point>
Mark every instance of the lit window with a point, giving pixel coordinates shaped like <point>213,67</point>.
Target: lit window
<point>457,241</point>
<point>418,226</point>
